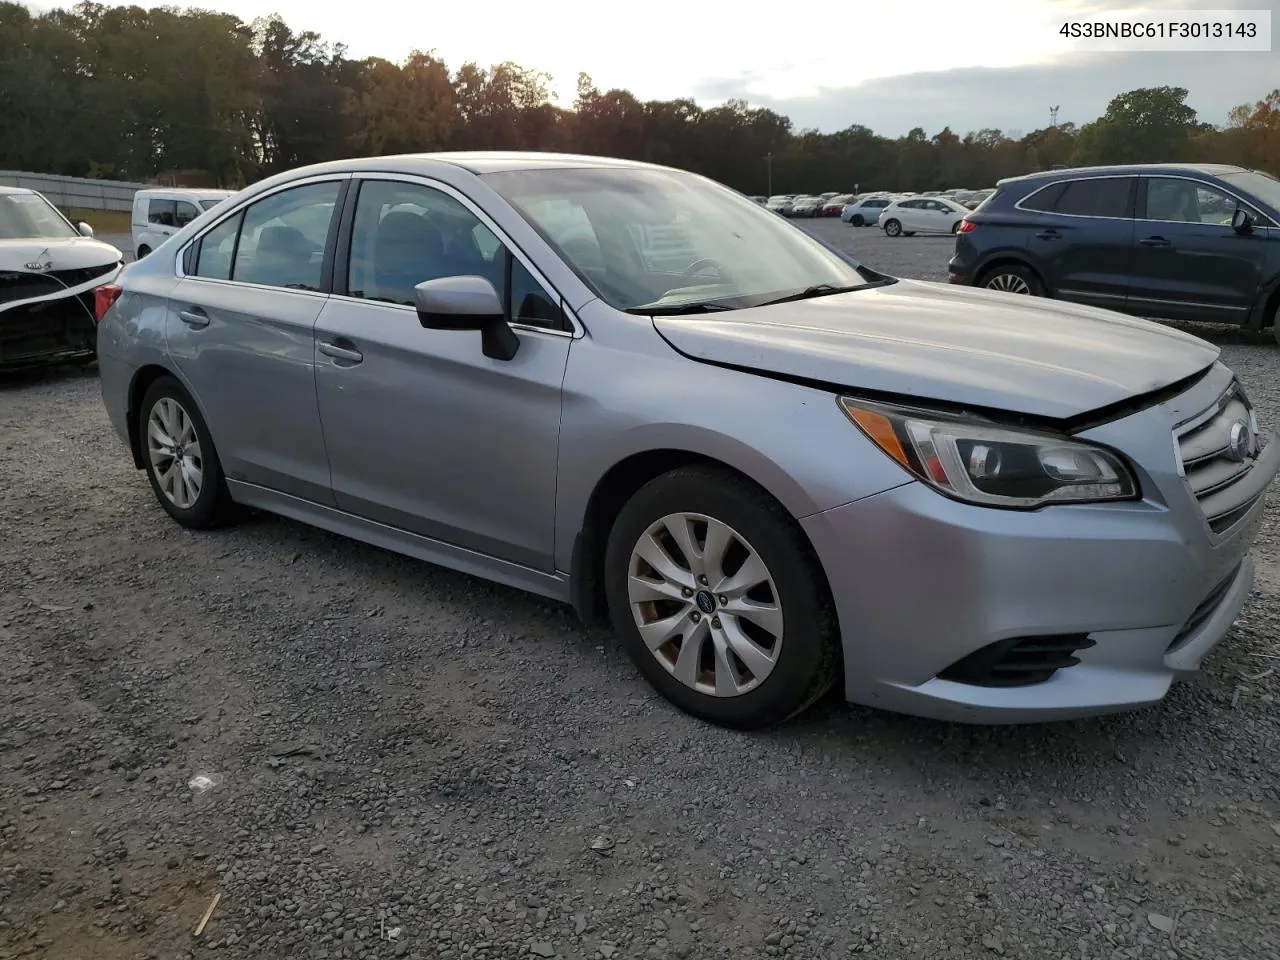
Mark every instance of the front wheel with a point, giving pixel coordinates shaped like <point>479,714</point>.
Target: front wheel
<point>858,220</point>
<point>1013,278</point>
<point>716,595</point>
<point>143,251</point>
<point>179,457</point>
<point>893,228</point>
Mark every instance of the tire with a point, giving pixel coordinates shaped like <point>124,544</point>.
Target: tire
<point>1012,278</point>
<point>858,220</point>
<point>143,251</point>
<point>955,227</point>
<point>796,653</point>
<point>1275,324</point>
<point>178,418</point>
<point>892,228</point>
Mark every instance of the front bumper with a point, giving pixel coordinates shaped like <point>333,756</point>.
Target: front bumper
<point>921,582</point>
<point>51,327</point>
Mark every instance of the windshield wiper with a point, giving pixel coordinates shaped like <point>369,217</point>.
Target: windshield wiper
<point>817,290</point>
<point>680,309</point>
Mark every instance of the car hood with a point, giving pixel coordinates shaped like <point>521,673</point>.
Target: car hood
<point>949,344</point>
<point>73,253</point>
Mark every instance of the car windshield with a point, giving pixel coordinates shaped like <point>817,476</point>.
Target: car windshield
<point>1259,185</point>
<point>646,239</point>
<point>29,216</point>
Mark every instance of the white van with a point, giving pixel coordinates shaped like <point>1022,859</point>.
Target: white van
<point>163,211</point>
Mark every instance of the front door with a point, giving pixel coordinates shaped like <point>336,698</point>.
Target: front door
<point>240,331</point>
<point>1188,263</point>
<point>424,432</point>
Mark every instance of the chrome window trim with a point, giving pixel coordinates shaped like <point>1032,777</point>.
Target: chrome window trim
<point>1076,216</point>
<point>237,209</point>
<point>577,330</point>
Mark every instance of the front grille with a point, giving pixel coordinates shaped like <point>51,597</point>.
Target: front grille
<point>1212,468</point>
<point>1204,611</point>
<point>22,285</point>
<point>1019,661</point>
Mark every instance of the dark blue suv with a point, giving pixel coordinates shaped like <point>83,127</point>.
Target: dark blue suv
<point>1173,241</point>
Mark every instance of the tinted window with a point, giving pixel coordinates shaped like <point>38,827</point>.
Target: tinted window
<point>1256,186</point>
<point>283,239</point>
<point>161,212</point>
<point>210,204</point>
<point>405,234</point>
<point>1185,201</point>
<point>184,213</point>
<point>1044,200</point>
<point>216,248</point>
<point>1101,197</point>
<point>529,301</point>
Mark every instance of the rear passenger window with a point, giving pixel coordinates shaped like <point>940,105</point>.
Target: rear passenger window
<point>1101,197</point>
<point>216,248</point>
<point>184,213</point>
<point>283,238</point>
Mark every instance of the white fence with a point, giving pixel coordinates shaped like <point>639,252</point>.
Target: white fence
<point>75,192</point>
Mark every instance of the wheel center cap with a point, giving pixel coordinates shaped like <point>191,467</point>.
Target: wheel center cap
<point>705,601</point>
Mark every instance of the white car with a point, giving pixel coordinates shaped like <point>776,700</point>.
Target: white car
<point>161,212</point>
<point>922,215</point>
<point>49,270</point>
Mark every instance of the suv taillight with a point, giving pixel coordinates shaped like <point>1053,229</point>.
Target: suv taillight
<point>103,298</point>
<point>966,226</point>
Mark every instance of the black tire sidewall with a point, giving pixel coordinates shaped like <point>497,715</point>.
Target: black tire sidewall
<point>806,666</point>
<point>209,510</point>
<point>858,220</point>
<point>143,251</point>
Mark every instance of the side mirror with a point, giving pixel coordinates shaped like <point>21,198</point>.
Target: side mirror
<point>467,303</point>
<point>85,229</point>
<point>1242,221</point>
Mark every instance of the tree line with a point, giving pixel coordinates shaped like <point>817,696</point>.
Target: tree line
<point>129,93</point>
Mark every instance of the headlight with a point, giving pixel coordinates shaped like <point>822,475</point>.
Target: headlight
<point>991,465</point>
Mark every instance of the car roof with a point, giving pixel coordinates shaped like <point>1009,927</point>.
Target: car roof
<point>1132,169</point>
<point>481,162</point>
<point>10,191</point>
<point>190,191</point>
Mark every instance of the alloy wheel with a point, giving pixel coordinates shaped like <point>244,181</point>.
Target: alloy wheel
<point>705,604</point>
<point>173,447</point>
<point>1009,283</point>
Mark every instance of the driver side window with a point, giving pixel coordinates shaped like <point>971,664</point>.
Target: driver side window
<point>283,237</point>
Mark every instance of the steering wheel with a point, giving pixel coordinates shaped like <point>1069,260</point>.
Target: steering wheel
<point>694,267</point>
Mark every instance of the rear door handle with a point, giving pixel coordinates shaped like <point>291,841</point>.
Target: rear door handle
<point>1048,235</point>
<point>194,317</point>
<point>1155,242</point>
<point>345,354</point>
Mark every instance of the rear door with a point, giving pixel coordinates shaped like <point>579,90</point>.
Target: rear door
<point>1082,238</point>
<point>1188,263</point>
<point>241,330</point>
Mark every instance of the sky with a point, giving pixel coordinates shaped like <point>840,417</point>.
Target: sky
<point>827,64</point>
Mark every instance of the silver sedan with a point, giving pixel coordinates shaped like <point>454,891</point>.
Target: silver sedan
<point>771,469</point>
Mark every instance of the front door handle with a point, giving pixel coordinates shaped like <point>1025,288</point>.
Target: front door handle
<point>345,354</point>
<point>194,317</point>
<point>1048,235</point>
<point>1155,242</point>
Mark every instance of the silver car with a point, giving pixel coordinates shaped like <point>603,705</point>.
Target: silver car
<point>771,469</point>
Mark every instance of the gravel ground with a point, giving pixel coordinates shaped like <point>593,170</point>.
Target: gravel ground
<point>400,761</point>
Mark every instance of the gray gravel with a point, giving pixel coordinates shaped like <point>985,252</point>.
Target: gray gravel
<point>407,762</point>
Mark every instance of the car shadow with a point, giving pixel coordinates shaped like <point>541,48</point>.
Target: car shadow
<point>24,377</point>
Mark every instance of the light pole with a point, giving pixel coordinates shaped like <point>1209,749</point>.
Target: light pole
<point>768,162</point>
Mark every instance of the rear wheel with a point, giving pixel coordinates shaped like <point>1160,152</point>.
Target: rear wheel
<point>893,228</point>
<point>180,458</point>
<point>1275,323</point>
<point>719,601</point>
<point>143,251</point>
<point>1013,278</point>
